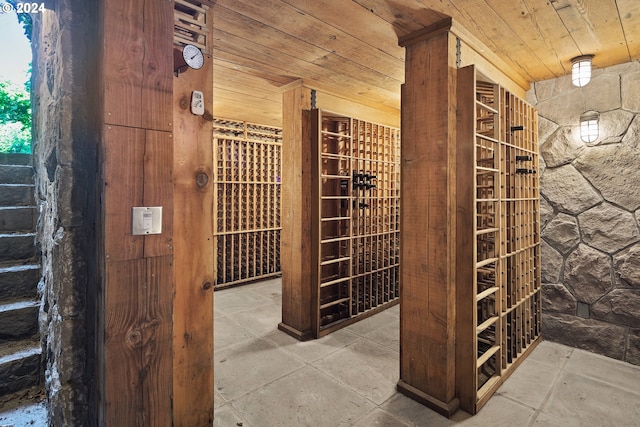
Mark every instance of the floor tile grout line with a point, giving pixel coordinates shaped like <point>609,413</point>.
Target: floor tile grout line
<point>552,389</point>
<point>344,384</point>
<point>245,393</point>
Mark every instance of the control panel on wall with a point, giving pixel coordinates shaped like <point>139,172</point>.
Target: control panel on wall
<point>197,103</point>
<point>146,220</point>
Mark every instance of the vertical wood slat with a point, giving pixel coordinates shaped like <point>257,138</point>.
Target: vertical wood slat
<point>194,248</point>
<point>158,189</point>
<point>466,344</point>
<point>137,346</point>
<point>155,305</point>
<point>138,64</point>
<point>123,151</point>
<point>123,392</point>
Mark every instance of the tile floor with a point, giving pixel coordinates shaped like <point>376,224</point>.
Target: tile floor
<point>264,377</point>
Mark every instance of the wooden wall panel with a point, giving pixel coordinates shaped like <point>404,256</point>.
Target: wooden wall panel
<point>123,59</point>
<point>138,63</point>
<point>138,350</point>
<point>194,251</point>
<point>295,246</point>
<point>157,66</point>
<point>123,177</point>
<point>155,305</point>
<point>122,358</point>
<point>158,189</point>
<point>138,172</point>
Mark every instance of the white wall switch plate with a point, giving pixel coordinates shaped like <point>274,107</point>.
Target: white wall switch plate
<point>146,220</point>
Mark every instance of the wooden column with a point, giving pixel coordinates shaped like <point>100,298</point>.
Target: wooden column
<point>428,218</point>
<point>155,336</point>
<point>295,247</point>
<point>194,250</point>
<point>193,387</point>
<point>134,350</point>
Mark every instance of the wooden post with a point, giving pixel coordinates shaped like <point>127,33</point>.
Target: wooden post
<point>296,246</point>
<point>194,251</point>
<point>134,357</point>
<point>156,358</point>
<point>428,218</point>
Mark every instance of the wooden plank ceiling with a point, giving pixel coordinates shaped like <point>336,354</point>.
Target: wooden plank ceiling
<point>350,47</point>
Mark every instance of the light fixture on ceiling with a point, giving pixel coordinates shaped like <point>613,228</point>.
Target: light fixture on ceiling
<point>589,126</point>
<point>581,70</point>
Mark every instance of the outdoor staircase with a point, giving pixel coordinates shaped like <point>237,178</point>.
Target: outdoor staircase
<point>19,275</point>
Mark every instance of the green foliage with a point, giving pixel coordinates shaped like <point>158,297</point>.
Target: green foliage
<point>15,106</point>
<point>14,138</point>
<point>15,119</point>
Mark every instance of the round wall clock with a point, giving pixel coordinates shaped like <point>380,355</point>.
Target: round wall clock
<point>193,56</point>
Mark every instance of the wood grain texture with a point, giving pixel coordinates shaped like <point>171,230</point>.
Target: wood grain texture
<point>155,304</point>
<point>194,251</point>
<point>138,63</point>
<point>138,332</point>
<point>427,327</point>
<point>295,246</point>
<point>629,12</point>
<point>123,389</point>
<point>136,162</point>
<point>351,47</point>
<point>123,59</point>
<point>157,66</point>
<point>465,219</point>
<point>158,189</point>
<point>123,181</point>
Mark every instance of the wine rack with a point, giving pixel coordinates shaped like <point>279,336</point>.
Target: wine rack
<point>503,307</point>
<point>190,24</point>
<point>357,218</point>
<point>247,211</point>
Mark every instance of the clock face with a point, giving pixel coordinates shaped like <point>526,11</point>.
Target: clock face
<point>193,56</point>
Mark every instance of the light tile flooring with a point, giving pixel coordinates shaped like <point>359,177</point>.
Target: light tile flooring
<point>264,377</point>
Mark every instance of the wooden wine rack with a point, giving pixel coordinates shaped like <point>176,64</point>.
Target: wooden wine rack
<point>247,214</point>
<point>501,320</point>
<point>357,219</point>
<point>190,24</point>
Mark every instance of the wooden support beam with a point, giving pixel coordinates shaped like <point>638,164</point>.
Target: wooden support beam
<point>295,246</point>
<point>135,353</point>
<point>194,251</point>
<point>428,218</point>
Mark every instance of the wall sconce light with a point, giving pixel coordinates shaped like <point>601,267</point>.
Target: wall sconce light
<point>581,70</point>
<point>589,126</point>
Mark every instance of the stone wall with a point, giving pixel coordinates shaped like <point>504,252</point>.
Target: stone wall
<point>64,75</point>
<point>590,212</point>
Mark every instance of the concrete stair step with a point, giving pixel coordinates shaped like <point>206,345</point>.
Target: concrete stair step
<point>17,195</point>
<point>17,218</point>
<point>16,174</point>
<point>19,282</point>
<point>19,366</point>
<point>15,159</point>
<point>18,320</point>
<point>17,246</point>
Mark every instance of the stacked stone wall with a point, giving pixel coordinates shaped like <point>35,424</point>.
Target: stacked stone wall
<point>590,212</point>
<point>65,144</point>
